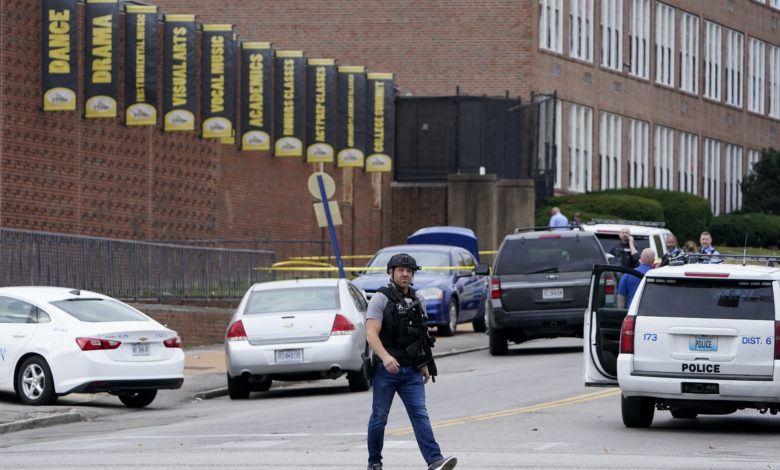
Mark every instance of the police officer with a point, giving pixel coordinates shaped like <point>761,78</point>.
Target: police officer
<point>395,315</point>
<point>624,251</point>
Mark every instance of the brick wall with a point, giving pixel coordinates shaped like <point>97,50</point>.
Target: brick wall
<point>197,326</point>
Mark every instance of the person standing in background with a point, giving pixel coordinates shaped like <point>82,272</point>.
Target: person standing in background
<point>558,221</point>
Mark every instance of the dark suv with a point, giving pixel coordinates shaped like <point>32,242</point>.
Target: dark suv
<point>539,287</point>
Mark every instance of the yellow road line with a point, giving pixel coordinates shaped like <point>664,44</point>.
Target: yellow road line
<point>525,409</point>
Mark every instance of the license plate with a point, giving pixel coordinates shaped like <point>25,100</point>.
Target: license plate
<point>552,293</point>
<point>289,355</point>
<point>141,349</point>
<point>703,343</point>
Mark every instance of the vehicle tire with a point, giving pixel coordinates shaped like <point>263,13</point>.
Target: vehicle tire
<point>34,382</point>
<point>684,414</point>
<point>498,343</point>
<point>452,320</point>
<point>637,412</point>
<point>238,387</point>
<point>480,324</point>
<point>262,386</point>
<point>137,398</point>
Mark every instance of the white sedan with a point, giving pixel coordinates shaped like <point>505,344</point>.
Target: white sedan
<point>301,329</point>
<point>55,341</point>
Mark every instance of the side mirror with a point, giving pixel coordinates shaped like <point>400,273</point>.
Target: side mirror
<point>482,269</point>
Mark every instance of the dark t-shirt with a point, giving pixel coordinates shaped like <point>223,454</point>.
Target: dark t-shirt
<point>622,251</point>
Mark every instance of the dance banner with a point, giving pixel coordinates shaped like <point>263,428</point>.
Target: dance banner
<point>141,59</point>
<point>59,77</point>
<point>351,116</point>
<point>101,57</point>
<point>179,73</point>
<point>256,95</point>
<point>218,81</point>
<point>320,110</point>
<point>381,98</point>
<point>288,104</point>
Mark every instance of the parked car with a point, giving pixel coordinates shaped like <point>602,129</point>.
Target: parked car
<point>539,286</point>
<point>303,329</point>
<point>55,341</point>
<point>696,339</point>
<point>647,234</point>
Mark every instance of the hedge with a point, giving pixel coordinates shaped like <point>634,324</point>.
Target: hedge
<point>762,230</point>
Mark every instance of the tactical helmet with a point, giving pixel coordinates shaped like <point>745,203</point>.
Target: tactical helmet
<point>404,260</point>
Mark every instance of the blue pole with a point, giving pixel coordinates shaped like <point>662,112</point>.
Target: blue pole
<point>330,226</point>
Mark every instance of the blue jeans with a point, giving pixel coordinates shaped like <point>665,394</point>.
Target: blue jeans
<point>408,383</point>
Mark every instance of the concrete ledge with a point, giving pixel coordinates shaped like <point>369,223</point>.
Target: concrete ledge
<point>70,416</point>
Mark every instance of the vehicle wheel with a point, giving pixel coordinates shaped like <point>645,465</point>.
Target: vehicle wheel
<point>498,343</point>
<point>262,386</point>
<point>452,320</point>
<point>637,412</point>
<point>238,387</point>
<point>138,398</point>
<point>480,324</point>
<point>683,414</point>
<point>34,383</point>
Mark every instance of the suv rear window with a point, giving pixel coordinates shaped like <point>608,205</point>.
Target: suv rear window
<point>609,240</point>
<point>748,300</point>
<point>536,255</point>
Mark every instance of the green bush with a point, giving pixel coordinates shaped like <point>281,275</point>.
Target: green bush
<point>601,205</point>
<point>762,230</point>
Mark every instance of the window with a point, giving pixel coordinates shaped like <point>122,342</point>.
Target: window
<point>612,34</point>
<point>638,153</point>
<point>734,57</point>
<point>581,29</point>
<point>266,301</point>
<point>712,60</point>
<point>753,156</point>
<point>16,311</point>
<point>548,157</point>
<point>711,174</point>
<point>99,310</point>
<point>639,38</point>
<point>580,147</point>
<point>689,163</point>
<point>550,25</point>
<point>664,157</point>
<point>774,82</point>
<point>610,144</point>
<point>733,178</point>
<point>756,70</point>
<point>689,53</point>
<point>664,44</point>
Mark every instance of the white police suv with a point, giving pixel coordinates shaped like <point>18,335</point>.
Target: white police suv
<point>696,338</point>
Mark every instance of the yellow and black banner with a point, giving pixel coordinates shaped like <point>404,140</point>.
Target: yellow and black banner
<point>179,73</point>
<point>218,81</point>
<point>351,116</point>
<point>381,98</point>
<point>101,76</point>
<point>256,95</point>
<point>232,106</point>
<point>320,110</point>
<point>288,103</point>
<point>59,77</point>
<point>141,59</point>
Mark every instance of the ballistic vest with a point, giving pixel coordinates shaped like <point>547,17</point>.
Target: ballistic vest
<point>400,333</point>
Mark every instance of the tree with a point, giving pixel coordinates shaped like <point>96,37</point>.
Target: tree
<point>761,187</point>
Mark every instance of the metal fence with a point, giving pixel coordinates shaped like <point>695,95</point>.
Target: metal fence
<point>134,270</point>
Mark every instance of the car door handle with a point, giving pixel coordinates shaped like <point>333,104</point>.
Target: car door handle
<point>19,335</point>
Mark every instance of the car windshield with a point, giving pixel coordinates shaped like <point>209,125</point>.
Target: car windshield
<point>609,240</point>
<point>426,259</point>
<point>99,310</point>
<point>549,255</point>
<point>293,299</point>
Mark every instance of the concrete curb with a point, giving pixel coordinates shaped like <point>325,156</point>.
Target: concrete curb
<point>70,416</point>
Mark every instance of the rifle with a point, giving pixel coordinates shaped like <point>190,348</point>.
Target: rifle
<point>425,341</point>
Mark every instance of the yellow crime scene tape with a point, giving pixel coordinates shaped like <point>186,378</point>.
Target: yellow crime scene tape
<point>302,265</point>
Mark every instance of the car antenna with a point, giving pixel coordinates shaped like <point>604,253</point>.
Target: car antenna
<point>744,252</point>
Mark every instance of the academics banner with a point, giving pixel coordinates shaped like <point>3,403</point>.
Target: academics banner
<point>351,116</point>
<point>218,81</point>
<point>59,77</point>
<point>320,110</point>
<point>179,73</point>
<point>141,59</point>
<point>256,95</point>
<point>101,57</point>
<point>288,104</point>
<point>381,98</point>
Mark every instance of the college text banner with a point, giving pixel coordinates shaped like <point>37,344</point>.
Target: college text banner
<point>179,73</point>
<point>59,77</point>
<point>320,110</point>
<point>218,81</point>
<point>351,116</point>
<point>381,96</point>
<point>288,103</point>
<point>100,59</point>
<point>140,65</point>
<point>256,95</point>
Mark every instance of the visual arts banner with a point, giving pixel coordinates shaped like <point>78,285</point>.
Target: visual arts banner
<point>179,73</point>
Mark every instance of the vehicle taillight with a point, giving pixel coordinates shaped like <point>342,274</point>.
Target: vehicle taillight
<point>92,344</point>
<point>495,288</point>
<point>627,335</point>
<point>777,337</point>
<point>609,283</point>
<point>174,342</point>
<point>342,326</point>
<point>236,332</point>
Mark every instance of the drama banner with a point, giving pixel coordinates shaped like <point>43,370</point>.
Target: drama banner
<point>179,73</point>
<point>381,98</point>
<point>288,104</point>
<point>218,81</point>
<point>351,116</point>
<point>101,57</point>
<point>320,110</point>
<point>232,105</point>
<point>141,59</point>
<point>59,77</point>
<point>256,95</point>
